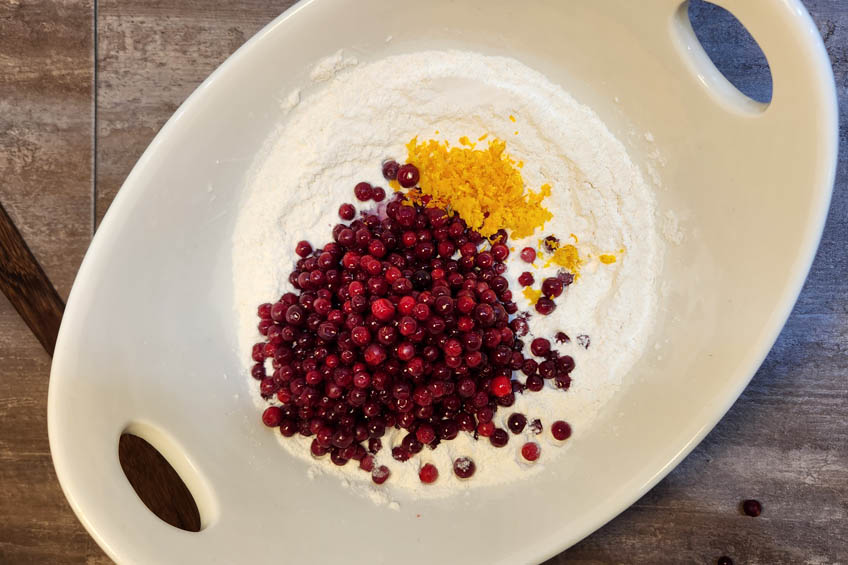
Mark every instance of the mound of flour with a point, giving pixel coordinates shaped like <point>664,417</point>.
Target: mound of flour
<point>339,135</point>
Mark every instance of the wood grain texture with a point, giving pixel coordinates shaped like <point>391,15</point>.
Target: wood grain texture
<point>26,286</point>
<point>785,441</point>
<point>46,120</point>
<point>46,149</point>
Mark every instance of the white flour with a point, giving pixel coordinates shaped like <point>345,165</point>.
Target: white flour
<point>339,135</point>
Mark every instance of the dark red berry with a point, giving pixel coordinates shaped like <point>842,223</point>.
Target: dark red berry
<point>526,279</point>
<point>540,346</point>
<point>561,430</point>
<point>407,175</point>
<point>464,467</point>
<point>363,191</point>
<point>380,474</point>
<point>545,306</point>
<point>516,422</point>
<point>303,248</point>
<point>378,194</point>
<point>347,211</point>
<point>390,169</point>
<point>272,416</point>
<point>551,287</point>
<point>499,437</point>
<point>752,507</point>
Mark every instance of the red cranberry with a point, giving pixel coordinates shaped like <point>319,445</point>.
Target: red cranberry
<point>380,474</point>
<point>464,467</point>
<point>400,454</point>
<point>516,422</point>
<point>501,386</point>
<point>272,416</point>
<point>347,211</point>
<point>363,191</point>
<point>499,438</point>
<point>303,248</point>
<point>535,383</point>
<point>528,254</point>
<point>378,194</point>
<point>425,434</point>
<point>428,473</point>
<point>500,252</point>
<point>531,451</point>
<point>390,169</point>
<point>526,279</point>
<point>407,175</point>
<point>561,430</point>
<point>752,507</point>
<point>374,354</point>
<point>540,346</point>
<point>485,429</point>
<point>551,287</point>
<point>562,381</point>
<point>545,306</point>
<point>383,309</point>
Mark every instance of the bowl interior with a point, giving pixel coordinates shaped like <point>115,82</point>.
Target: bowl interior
<point>148,342</point>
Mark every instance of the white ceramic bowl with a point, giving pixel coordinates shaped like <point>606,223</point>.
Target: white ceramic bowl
<point>148,345</point>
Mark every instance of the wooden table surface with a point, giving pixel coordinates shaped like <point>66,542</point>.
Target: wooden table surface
<point>86,84</point>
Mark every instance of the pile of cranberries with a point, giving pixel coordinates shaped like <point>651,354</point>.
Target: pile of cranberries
<point>403,320</point>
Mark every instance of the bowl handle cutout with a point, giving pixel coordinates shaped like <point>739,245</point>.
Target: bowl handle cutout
<point>787,38</point>
<point>165,479</point>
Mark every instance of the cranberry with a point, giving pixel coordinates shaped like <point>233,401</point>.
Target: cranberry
<point>363,191</point>
<point>540,346</point>
<point>374,354</point>
<point>464,467</point>
<point>374,445</point>
<point>347,211</point>
<point>428,473</point>
<point>531,451</point>
<point>528,254</point>
<point>378,194</point>
<point>383,309</point>
<point>545,306</point>
<point>485,429</point>
<point>516,422</point>
<point>752,507</point>
<point>425,434</point>
<point>501,386</point>
<point>526,279</point>
<point>380,474</point>
<point>561,430</point>
<point>303,248</point>
<point>535,383</point>
<point>272,416</point>
<point>499,437</point>
<point>390,169</point>
<point>500,252</point>
<point>551,287</point>
<point>408,175</point>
